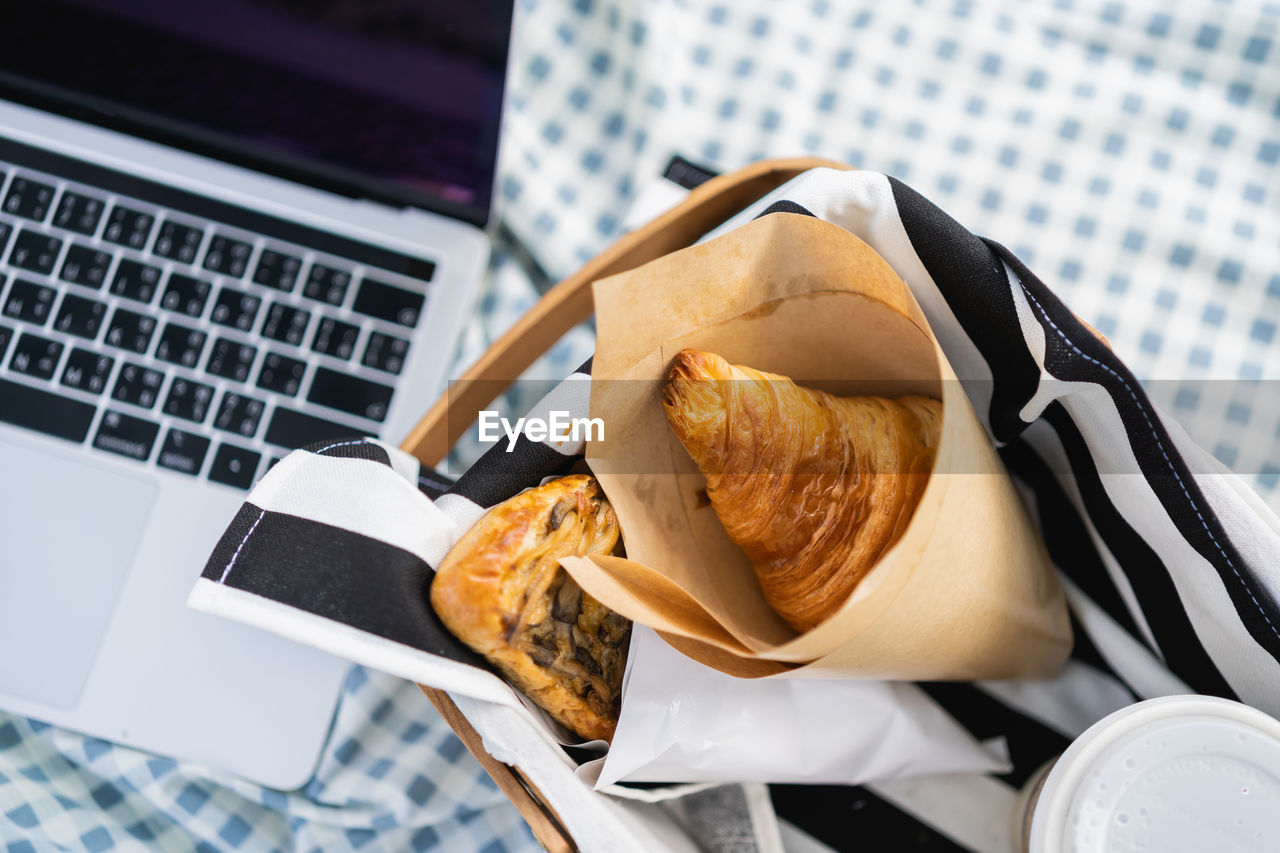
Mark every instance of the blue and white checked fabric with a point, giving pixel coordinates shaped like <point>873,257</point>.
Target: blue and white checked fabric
<point>1126,150</point>
<point>393,777</point>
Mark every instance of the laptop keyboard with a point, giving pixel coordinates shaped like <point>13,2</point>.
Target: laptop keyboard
<point>153,331</point>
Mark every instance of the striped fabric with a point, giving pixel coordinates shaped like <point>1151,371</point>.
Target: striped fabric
<point>1166,560</point>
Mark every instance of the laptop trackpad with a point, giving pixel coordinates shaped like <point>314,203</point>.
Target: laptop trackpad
<point>69,531</point>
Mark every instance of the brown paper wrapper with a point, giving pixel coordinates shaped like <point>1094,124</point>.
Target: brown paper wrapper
<point>967,592</point>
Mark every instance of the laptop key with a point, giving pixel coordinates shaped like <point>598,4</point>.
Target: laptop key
<point>180,345</point>
<point>131,331</point>
<point>335,338</point>
<point>385,302</point>
<point>29,199</point>
<point>29,302</point>
<point>292,429</point>
<point>286,324</point>
<point>136,280</point>
<point>185,295</point>
<point>79,213</point>
<point>239,414</point>
<point>277,270</point>
<point>35,251</point>
<point>5,230</point>
<point>126,435</point>
<point>188,400</point>
<point>137,385</point>
<point>350,394</point>
<point>128,227</point>
<point>80,316</point>
<point>87,371</point>
<point>231,359</point>
<point>183,451</point>
<point>85,266</point>
<point>234,466</point>
<point>327,284</point>
<point>227,256</point>
<point>6,335</point>
<point>36,356</point>
<point>281,374</point>
<point>45,412</point>
<point>235,308</point>
<point>385,352</point>
<point>178,242</point>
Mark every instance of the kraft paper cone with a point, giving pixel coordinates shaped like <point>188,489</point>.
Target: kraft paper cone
<point>967,592</point>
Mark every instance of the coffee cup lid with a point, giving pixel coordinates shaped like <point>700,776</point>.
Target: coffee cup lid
<point>1179,773</point>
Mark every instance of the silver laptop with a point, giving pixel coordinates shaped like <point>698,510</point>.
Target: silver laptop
<point>228,228</point>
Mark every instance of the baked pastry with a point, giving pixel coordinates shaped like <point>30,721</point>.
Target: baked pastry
<point>501,591</point>
<point>814,488</point>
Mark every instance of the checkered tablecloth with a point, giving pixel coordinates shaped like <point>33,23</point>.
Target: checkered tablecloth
<point>1127,151</point>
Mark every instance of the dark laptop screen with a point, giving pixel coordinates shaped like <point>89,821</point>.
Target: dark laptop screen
<point>397,100</point>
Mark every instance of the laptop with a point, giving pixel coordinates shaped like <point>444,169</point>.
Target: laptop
<point>228,228</point>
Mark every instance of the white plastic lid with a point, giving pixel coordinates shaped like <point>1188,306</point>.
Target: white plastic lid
<point>1181,774</point>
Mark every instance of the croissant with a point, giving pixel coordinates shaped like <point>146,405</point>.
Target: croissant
<point>812,487</point>
<point>501,591</point>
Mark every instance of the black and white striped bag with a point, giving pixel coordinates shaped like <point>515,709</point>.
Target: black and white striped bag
<point>1171,565</point>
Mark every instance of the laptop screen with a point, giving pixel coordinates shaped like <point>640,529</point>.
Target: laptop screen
<point>395,100</point>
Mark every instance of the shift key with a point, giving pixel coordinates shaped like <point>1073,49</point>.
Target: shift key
<point>350,394</point>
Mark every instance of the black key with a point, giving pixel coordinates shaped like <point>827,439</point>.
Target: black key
<point>235,308</point>
<point>234,466</point>
<point>385,352</point>
<point>86,266</point>
<point>180,345</point>
<point>281,374</point>
<point>183,451</point>
<point>42,411</point>
<point>137,385</point>
<point>5,230</point>
<point>394,304</point>
<point>185,295</point>
<point>178,242</point>
<point>87,371</point>
<point>29,301</point>
<point>286,324</point>
<point>126,435</point>
<point>80,316</point>
<point>335,338</point>
<point>227,256</point>
<point>130,331</point>
<point>128,227</point>
<point>188,400</point>
<point>5,335</point>
<point>277,270</point>
<point>239,414</point>
<point>135,280</point>
<point>79,213</point>
<point>350,394</point>
<point>327,284</point>
<point>29,199</point>
<point>294,429</point>
<point>35,251</point>
<point>230,359</point>
<point>36,356</point>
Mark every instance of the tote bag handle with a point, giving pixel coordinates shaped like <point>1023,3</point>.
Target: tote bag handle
<point>569,302</point>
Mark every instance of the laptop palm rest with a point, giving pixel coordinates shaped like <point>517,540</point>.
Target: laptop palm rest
<point>60,575</point>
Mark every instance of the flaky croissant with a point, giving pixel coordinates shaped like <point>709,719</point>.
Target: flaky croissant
<point>501,591</point>
<point>814,488</point>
